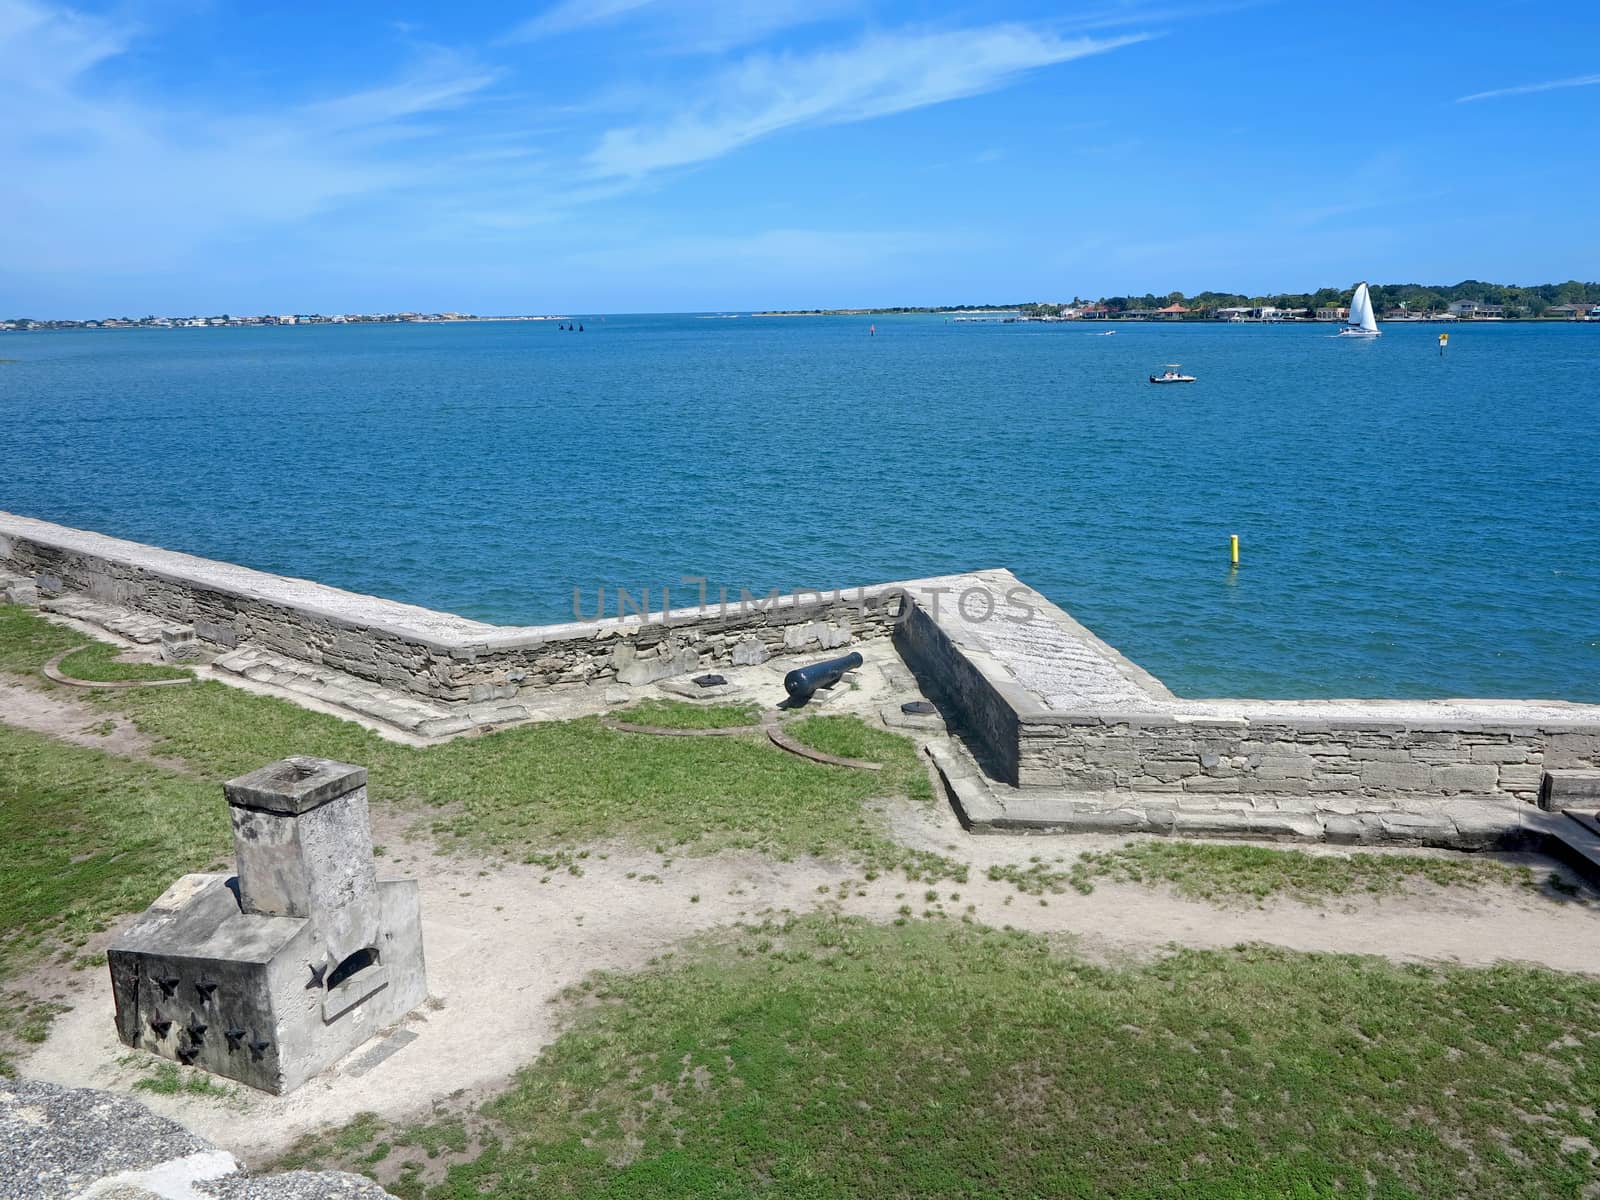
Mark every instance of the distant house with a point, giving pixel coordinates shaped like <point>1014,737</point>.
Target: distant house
<point>1333,314</point>
<point>1172,312</point>
<point>1563,312</point>
<point>1233,314</point>
<point>1476,309</point>
<point>1095,312</point>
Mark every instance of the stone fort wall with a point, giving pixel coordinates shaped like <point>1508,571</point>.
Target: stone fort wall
<point>1336,757</point>
<point>1304,764</point>
<point>1136,740</point>
<point>435,655</point>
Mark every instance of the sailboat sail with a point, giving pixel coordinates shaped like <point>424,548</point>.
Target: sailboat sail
<point>1361,311</point>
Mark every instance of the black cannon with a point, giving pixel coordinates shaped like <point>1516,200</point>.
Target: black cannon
<point>802,682</point>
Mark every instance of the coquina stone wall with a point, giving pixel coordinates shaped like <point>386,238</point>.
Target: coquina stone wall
<point>435,655</point>
<point>1326,757</point>
<point>1302,763</point>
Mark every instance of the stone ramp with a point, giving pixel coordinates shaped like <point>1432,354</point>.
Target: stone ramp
<point>993,618</point>
<point>1062,667</point>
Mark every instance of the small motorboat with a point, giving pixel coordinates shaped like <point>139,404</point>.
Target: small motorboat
<point>1172,375</point>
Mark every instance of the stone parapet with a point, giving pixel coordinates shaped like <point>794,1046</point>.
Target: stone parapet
<point>436,655</point>
<point>1043,703</point>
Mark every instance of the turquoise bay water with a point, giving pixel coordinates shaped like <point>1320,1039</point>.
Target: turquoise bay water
<point>1411,525</point>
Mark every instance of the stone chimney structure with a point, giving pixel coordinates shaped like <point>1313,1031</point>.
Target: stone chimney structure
<point>272,975</point>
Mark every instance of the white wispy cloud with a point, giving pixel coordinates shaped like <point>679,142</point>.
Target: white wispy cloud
<point>98,161</point>
<point>1523,89</point>
<point>569,16</point>
<point>881,75</point>
<point>695,27</point>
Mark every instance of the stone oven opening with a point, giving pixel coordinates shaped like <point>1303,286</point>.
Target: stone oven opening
<point>354,965</point>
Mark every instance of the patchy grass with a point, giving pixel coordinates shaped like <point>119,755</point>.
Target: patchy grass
<point>1204,871</point>
<point>24,1021</point>
<point>335,1145</point>
<point>98,663</point>
<point>169,1079</point>
<point>84,838</point>
<point>680,714</point>
<point>1225,874</point>
<point>827,1057</point>
<point>27,640</point>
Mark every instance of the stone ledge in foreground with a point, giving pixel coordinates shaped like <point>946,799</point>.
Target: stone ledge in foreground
<point>59,1143</point>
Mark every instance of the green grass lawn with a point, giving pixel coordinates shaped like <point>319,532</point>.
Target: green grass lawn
<point>86,837</point>
<point>97,663</point>
<point>827,1057</point>
<point>680,714</point>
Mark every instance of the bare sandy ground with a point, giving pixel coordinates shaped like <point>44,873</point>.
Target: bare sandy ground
<point>72,720</point>
<point>502,944</point>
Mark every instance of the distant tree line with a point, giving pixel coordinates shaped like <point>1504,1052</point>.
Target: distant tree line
<point>1415,297</point>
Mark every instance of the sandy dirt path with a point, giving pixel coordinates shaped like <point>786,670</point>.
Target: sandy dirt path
<point>77,721</point>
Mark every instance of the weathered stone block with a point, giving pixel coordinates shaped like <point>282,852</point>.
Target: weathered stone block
<point>1498,754</point>
<point>1396,776</point>
<point>750,652</point>
<point>1562,789</point>
<point>1336,781</point>
<point>634,669</point>
<point>1246,824</point>
<point>1573,750</point>
<point>1480,778</point>
<point>1351,830</point>
<point>218,633</point>
<point>1430,829</point>
<point>1483,824</point>
<point>1284,768</point>
<point>1379,754</point>
<point>1170,769</point>
<point>1521,777</point>
<point>179,645</point>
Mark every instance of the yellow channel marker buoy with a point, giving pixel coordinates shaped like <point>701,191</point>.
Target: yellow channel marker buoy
<point>1233,547</point>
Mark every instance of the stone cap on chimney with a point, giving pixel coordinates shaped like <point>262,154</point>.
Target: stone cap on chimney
<point>295,785</point>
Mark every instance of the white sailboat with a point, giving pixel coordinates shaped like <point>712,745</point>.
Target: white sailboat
<point>1361,323</point>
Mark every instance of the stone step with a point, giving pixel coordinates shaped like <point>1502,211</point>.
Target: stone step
<point>405,711</point>
<point>1565,789</point>
<point>137,627</point>
<point>329,686</point>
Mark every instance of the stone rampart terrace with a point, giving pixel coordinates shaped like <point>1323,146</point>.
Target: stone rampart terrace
<point>1053,727</point>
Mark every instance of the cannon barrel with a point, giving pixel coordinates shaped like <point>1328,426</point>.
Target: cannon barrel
<point>802,682</point>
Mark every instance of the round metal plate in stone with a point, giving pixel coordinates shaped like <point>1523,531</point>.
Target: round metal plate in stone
<point>918,708</point>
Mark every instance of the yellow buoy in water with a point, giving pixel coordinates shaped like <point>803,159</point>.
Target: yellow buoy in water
<point>1233,547</point>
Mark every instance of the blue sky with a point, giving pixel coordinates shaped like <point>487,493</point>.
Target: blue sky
<point>677,155</point>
